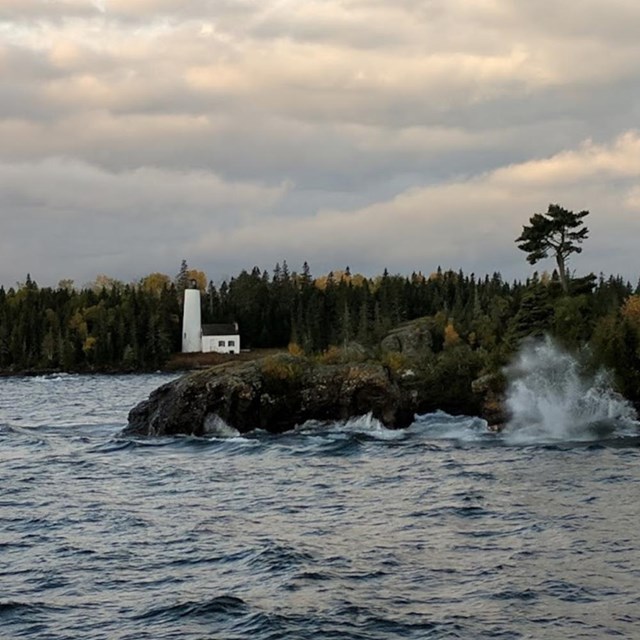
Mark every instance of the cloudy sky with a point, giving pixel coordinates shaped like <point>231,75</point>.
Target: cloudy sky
<point>403,134</point>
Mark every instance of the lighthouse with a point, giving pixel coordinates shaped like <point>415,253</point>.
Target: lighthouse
<point>191,322</point>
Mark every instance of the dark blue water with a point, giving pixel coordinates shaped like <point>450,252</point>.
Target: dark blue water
<point>346,531</point>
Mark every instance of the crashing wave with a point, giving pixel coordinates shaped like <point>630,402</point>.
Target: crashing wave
<point>550,395</point>
<point>216,427</point>
<point>366,425</point>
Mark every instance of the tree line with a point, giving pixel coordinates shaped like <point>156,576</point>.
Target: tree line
<point>138,326</point>
<point>109,325</point>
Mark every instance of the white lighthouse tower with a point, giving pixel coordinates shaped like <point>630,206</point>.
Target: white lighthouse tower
<point>191,322</point>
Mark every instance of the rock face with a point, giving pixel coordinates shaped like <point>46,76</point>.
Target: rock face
<point>412,339</point>
<point>279,392</point>
<point>275,394</point>
<point>491,388</point>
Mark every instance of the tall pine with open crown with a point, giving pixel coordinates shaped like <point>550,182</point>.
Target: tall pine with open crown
<point>558,232</point>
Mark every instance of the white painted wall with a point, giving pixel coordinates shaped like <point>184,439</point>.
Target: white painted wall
<point>191,322</point>
<point>221,344</point>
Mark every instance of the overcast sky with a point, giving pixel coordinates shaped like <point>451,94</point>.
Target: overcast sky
<point>403,134</point>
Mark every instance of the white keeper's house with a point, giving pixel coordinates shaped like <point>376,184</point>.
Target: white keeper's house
<point>221,338</point>
<point>199,338</point>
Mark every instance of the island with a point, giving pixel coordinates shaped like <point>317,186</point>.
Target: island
<point>279,392</point>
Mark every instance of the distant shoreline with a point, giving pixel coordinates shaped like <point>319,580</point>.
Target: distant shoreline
<point>177,363</point>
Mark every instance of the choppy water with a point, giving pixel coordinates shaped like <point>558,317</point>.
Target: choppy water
<point>341,531</point>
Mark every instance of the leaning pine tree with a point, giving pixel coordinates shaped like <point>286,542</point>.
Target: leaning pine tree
<point>559,232</point>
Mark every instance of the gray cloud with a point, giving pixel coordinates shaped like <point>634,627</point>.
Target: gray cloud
<point>361,132</point>
<point>69,218</point>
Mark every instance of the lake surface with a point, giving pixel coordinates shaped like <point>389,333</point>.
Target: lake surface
<point>345,531</point>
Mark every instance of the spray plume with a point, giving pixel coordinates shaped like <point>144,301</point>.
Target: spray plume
<point>550,396</point>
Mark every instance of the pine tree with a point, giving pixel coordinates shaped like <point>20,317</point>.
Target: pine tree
<point>559,232</point>
<point>182,279</point>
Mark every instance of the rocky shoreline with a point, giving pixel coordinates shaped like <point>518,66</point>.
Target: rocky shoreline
<point>280,392</point>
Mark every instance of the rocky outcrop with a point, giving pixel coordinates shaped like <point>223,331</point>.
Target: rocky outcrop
<point>279,392</point>
<point>275,394</point>
<point>490,388</point>
<point>412,339</point>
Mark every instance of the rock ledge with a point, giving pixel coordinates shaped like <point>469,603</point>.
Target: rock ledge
<point>275,394</point>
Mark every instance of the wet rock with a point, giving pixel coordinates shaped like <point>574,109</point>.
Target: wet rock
<point>280,392</point>
<point>490,388</point>
<point>274,394</point>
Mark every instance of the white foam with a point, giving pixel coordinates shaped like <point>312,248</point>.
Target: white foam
<point>443,426</point>
<point>550,396</point>
<point>216,427</point>
<point>365,424</point>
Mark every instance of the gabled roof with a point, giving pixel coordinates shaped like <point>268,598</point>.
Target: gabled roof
<point>220,329</point>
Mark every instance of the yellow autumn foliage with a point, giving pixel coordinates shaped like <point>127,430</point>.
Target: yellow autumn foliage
<point>78,324</point>
<point>451,336</point>
<point>395,361</point>
<point>333,355</point>
<point>356,279</point>
<point>104,281</point>
<point>283,369</point>
<point>631,311</point>
<point>295,349</point>
<point>89,344</point>
<point>155,283</point>
<point>200,278</point>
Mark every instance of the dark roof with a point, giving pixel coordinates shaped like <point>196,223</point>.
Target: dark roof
<point>219,329</point>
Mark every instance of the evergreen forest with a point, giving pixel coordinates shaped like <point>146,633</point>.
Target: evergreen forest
<point>476,323</point>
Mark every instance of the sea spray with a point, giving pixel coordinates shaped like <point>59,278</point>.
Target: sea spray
<point>551,395</point>
<point>364,425</point>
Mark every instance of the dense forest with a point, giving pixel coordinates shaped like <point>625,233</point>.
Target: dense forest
<point>474,324</point>
<point>109,325</point>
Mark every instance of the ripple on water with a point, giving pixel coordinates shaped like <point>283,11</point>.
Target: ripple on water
<point>220,607</point>
<point>14,611</point>
<point>346,531</point>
